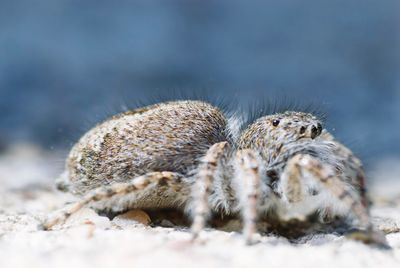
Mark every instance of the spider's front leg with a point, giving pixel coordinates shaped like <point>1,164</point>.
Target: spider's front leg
<point>303,170</point>
<point>302,167</point>
<point>138,184</point>
<point>248,188</point>
<point>202,188</point>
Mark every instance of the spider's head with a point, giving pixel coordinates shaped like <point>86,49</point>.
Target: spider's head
<point>291,126</point>
<point>275,131</point>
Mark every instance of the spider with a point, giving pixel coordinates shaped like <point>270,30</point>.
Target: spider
<point>188,155</point>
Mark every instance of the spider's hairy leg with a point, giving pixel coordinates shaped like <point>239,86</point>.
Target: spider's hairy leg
<point>106,192</point>
<point>305,164</point>
<point>291,181</point>
<point>202,188</point>
<point>248,182</point>
<point>326,176</point>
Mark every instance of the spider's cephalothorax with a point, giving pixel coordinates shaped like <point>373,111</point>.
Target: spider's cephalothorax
<point>188,155</point>
<point>269,135</point>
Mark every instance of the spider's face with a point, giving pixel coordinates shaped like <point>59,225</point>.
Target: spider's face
<point>291,126</point>
<point>271,133</point>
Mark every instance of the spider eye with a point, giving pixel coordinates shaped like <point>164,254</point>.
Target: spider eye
<point>319,126</point>
<point>276,122</point>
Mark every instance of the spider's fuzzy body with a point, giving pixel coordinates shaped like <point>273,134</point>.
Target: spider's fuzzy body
<point>156,156</point>
<point>161,137</point>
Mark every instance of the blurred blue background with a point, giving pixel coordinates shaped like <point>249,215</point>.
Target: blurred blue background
<point>66,64</point>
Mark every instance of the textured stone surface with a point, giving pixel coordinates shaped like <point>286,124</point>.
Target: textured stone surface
<point>87,239</point>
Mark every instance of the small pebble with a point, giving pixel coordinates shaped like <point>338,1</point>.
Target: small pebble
<point>386,225</point>
<point>131,218</point>
<point>167,224</point>
<point>88,216</point>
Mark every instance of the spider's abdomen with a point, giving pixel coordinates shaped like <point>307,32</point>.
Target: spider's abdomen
<point>163,137</point>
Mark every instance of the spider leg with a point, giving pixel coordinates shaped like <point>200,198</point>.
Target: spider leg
<point>291,181</point>
<point>106,192</point>
<point>203,186</point>
<point>248,182</point>
<point>301,164</point>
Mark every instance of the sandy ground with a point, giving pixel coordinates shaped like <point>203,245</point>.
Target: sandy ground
<point>27,197</point>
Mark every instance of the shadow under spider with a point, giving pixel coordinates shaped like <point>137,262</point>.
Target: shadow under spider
<point>293,230</point>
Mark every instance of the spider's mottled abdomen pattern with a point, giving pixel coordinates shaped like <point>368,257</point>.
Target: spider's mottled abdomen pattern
<point>162,137</point>
<point>191,156</point>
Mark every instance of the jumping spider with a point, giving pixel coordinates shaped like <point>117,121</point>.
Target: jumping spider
<point>189,156</point>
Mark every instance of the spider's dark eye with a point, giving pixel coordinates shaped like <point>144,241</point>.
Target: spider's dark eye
<point>276,122</point>
<point>319,126</point>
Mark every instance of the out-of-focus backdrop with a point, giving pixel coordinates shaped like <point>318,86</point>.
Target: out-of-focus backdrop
<point>66,64</point>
